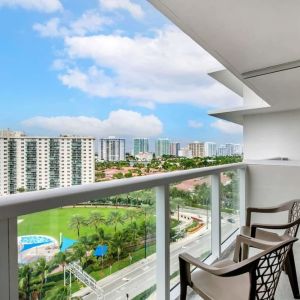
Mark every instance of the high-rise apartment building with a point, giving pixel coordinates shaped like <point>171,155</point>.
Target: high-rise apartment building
<point>174,148</point>
<point>35,163</point>
<point>197,149</point>
<point>210,149</point>
<point>185,152</point>
<point>237,149</point>
<point>111,149</point>
<point>221,150</point>
<point>140,146</point>
<point>162,147</point>
<point>229,149</point>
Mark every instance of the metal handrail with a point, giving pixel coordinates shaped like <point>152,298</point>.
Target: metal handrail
<point>24,203</point>
<point>85,278</point>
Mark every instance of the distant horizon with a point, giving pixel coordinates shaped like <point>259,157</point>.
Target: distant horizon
<point>128,140</point>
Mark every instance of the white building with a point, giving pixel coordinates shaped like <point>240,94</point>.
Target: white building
<point>162,147</point>
<point>237,149</point>
<point>197,149</point>
<point>111,149</point>
<point>144,156</point>
<point>185,152</point>
<point>174,148</point>
<point>210,149</point>
<point>35,163</point>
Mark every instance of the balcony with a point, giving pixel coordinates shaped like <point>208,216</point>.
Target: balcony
<point>159,269</point>
<point>274,181</point>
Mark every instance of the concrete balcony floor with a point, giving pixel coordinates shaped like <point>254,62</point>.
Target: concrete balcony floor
<point>283,291</point>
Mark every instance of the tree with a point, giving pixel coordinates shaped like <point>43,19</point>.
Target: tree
<point>61,258</point>
<point>175,204</point>
<point>146,210</point>
<point>25,273</point>
<point>41,269</point>
<point>76,223</point>
<point>131,214</point>
<point>95,219</point>
<point>117,244</point>
<point>80,253</point>
<point>132,232</point>
<point>115,218</point>
<point>21,189</point>
<point>202,195</point>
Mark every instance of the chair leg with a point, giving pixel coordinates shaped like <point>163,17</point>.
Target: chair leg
<point>292,274</point>
<point>245,251</point>
<point>183,291</point>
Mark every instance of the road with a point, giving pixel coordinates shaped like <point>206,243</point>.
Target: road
<point>140,276</point>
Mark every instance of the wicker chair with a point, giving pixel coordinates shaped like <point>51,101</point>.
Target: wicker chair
<point>255,278</point>
<point>291,229</point>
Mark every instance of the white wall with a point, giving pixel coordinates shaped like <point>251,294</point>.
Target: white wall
<point>270,185</point>
<point>272,135</point>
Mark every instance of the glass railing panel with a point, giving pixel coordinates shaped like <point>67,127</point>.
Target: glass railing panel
<point>230,203</point>
<point>190,220</point>
<point>110,236</point>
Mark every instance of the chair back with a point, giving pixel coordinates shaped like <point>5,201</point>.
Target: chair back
<point>267,269</point>
<point>294,214</point>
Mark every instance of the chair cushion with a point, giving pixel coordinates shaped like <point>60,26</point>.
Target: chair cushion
<point>263,234</point>
<point>215,287</point>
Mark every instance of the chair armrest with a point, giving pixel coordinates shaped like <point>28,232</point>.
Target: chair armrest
<point>198,263</point>
<point>272,226</point>
<point>185,260</point>
<point>250,241</point>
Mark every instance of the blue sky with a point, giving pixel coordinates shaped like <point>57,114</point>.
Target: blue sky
<point>106,67</point>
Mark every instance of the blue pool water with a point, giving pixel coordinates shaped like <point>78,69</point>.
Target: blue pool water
<point>31,241</point>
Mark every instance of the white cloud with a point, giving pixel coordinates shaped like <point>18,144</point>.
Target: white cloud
<point>89,22</point>
<point>227,127</point>
<point>47,6</point>
<point>119,123</point>
<point>134,9</point>
<point>195,124</point>
<point>166,68</point>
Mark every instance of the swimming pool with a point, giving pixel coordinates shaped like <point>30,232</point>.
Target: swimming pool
<point>26,242</point>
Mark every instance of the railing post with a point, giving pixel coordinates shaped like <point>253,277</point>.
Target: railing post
<point>215,215</point>
<point>242,193</point>
<point>8,259</point>
<point>162,243</point>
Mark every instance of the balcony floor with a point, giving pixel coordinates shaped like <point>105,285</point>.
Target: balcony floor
<point>284,291</point>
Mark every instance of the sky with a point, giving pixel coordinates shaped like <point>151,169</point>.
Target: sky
<point>106,67</point>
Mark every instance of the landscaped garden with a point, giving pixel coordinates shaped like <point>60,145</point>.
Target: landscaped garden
<point>125,223</point>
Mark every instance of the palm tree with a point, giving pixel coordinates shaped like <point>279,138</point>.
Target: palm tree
<point>176,202</point>
<point>25,273</point>
<point>115,218</point>
<point>95,219</point>
<point>117,243</point>
<point>76,222</point>
<point>80,253</point>
<point>131,214</point>
<point>102,236</point>
<point>146,210</point>
<point>41,269</point>
<point>133,230</point>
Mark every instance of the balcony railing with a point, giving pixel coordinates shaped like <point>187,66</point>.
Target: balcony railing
<point>13,206</point>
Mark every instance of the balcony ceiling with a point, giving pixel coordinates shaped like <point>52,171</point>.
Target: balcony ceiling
<point>257,41</point>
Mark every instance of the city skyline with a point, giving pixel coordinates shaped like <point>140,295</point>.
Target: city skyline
<point>72,91</point>
<point>129,145</point>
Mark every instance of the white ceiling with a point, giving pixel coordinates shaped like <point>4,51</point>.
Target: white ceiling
<point>247,36</point>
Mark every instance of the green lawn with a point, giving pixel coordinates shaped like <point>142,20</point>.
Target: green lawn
<point>54,221</point>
